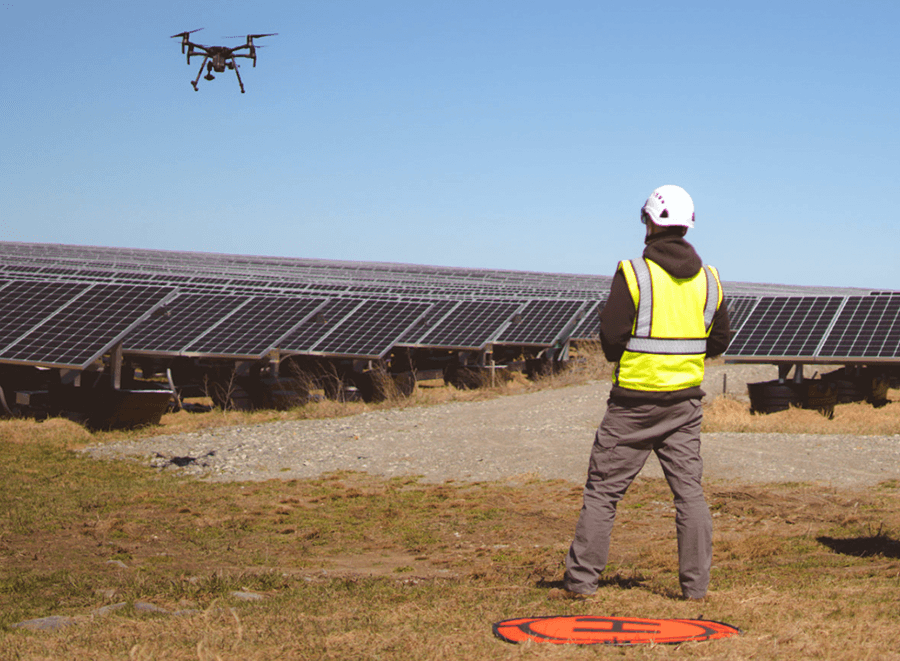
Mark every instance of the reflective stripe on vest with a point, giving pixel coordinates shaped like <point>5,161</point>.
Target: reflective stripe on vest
<point>666,346</point>
<point>644,311</point>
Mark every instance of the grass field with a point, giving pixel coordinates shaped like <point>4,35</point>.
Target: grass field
<point>352,566</point>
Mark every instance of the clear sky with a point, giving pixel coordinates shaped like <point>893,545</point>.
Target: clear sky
<point>510,134</point>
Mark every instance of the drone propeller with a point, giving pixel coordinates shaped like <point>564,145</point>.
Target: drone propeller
<point>185,34</point>
<point>185,42</point>
<point>251,36</point>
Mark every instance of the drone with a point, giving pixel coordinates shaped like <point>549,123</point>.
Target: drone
<point>218,58</point>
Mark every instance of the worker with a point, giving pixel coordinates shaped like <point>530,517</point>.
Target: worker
<point>663,318</point>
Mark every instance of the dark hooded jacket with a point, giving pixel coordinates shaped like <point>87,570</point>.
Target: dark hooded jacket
<point>678,258</point>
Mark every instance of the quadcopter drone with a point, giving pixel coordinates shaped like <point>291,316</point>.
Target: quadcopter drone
<point>218,58</point>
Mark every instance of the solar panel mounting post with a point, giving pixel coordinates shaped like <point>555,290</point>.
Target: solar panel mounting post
<point>275,363</point>
<point>115,365</point>
<point>785,368</point>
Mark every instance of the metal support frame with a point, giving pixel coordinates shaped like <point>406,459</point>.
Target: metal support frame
<point>785,368</point>
<point>179,405</point>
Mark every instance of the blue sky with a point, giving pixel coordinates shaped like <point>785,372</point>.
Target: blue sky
<point>494,134</point>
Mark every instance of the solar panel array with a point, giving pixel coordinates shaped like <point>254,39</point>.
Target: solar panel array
<point>244,307</point>
<point>835,329</point>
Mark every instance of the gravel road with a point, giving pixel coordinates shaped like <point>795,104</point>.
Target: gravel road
<point>547,434</point>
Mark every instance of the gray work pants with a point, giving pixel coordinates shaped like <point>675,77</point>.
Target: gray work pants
<point>621,446</point>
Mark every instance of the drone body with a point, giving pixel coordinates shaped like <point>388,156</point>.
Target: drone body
<point>218,58</point>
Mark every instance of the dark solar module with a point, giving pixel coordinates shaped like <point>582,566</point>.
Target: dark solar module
<point>785,327</point>
<point>125,275</point>
<point>867,327</point>
<point>85,328</point>
<point>92,273</point>
<point>437,312</point>
<point>329,287</point>
<point>371,288</point>
<point>739,308</point>
<point>24,269</point>
<point>540,322</point>
<point>470,325</point>
<point>211,289</point>
<point>171,278</point>
<point>185,319</point>
<point>589,326</point>
<point>256,327</point>
<point>212,281</point>
<point>311,331</point>
<point>26,303</point>
<point>372,329</point>
<point>61,270</point>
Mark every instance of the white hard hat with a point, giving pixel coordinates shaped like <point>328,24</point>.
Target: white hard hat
<point>669,205</point>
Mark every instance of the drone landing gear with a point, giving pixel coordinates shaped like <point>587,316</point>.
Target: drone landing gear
<point>209,69</point>
<point>200,73</point>
<point>237,73</point>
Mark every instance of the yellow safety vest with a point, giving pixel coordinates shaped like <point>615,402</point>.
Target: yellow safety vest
<point>673,318</point>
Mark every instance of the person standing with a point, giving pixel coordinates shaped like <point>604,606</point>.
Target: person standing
<point>663,317</point>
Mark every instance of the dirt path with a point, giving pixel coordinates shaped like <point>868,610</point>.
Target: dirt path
<point>547,434</point>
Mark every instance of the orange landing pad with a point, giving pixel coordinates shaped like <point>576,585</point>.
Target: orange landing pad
<point>595,629</point>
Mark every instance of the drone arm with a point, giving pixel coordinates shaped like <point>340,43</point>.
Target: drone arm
<point>196,50</point>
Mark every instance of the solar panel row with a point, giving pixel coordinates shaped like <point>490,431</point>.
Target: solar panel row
<point>198,269</point>
<point>840,329</point>
<point>245,307</point>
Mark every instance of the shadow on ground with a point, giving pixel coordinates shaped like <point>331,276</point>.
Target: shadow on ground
<point>864,547</point>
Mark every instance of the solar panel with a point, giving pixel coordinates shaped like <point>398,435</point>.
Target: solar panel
<point>438,311</point>
<point>470,325</point>
<point>89,324</point>
<point>256,327</point>
<point>786,327</point>
<point>739,308</point>
<point>306,335</point>
<point>371,330</point>
<point>25,303</point>
<point>540,322</point>
<point>867,327</point>
<point>185,319</point>
<point>589,326</point>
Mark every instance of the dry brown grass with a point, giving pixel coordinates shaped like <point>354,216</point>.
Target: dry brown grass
<point>732,415</point>
<point>586,363</point>
<point>351,566</point>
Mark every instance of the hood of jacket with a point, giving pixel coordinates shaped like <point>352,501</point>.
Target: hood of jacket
<point>674,254</point>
